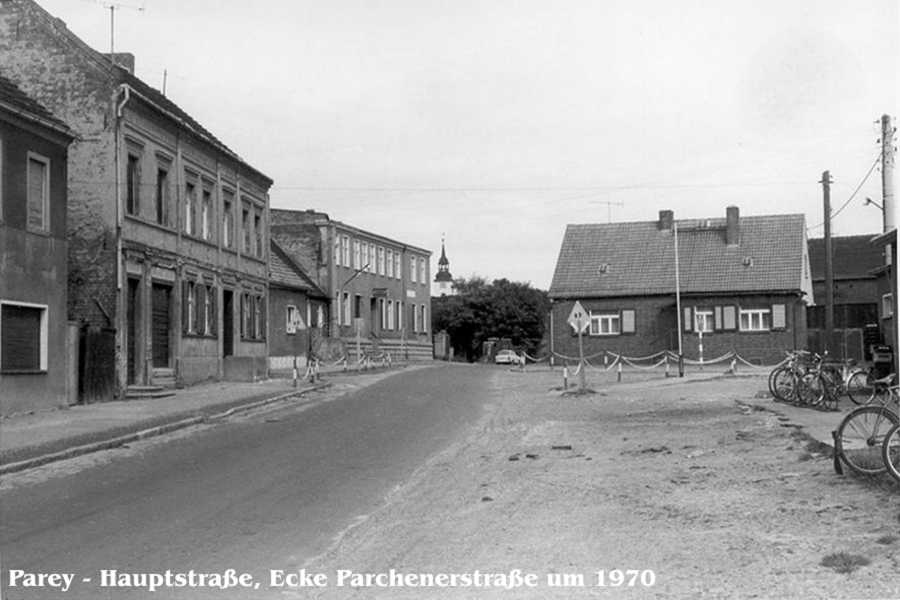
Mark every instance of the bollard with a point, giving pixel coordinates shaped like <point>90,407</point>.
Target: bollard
<point>667,365</point>
<point>605,360</point>
<point>566,377</point>
<point>295,372</point>
<point>619,371</point>
<point>733,366</point>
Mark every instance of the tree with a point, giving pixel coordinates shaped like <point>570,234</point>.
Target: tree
<point>481,310</point>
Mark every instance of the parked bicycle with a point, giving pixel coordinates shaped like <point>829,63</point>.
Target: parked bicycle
<point>862,439</point>
<point>810,379</point>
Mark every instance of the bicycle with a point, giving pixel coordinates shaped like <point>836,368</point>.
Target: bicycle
<point>861,435</point>
<point>890,452</point>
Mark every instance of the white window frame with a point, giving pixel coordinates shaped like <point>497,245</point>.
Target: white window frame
<point>380,260</point>
<point>607,318</point>
<point>415,318</point>
<point>390,315</point>
<point>227,219</point>
<point>290,324</point>
<point>423,279</point>
<point>389,263</point>
<point>703,320</point>
<point>44,333</point>
<point>357,254</point>
<point>45,199</point>
<point>345,308</point>
<point>412,269</point>
<point>345,250</point>
<point>206,200</point>
<point>424,324</point>
<point>398,265</point>
<point>756,318</point>
<point>887,305</point>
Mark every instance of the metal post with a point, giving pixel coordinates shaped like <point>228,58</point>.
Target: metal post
<point>678,302</point>
<point>829,265</point>
<point>581,377</point>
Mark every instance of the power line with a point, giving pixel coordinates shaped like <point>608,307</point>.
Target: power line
<point>835,213</point>
<point>486,189</point>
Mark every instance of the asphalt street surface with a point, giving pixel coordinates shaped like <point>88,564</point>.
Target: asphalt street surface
<point>265,491</point>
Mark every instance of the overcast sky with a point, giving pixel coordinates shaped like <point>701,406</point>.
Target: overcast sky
<point>499,122</point>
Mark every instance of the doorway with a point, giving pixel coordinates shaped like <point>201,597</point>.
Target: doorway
<point>161,320</point>
<point>131,315</point>
<point>227,323</point>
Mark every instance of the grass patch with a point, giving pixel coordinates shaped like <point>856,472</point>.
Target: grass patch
<point>844,562</point>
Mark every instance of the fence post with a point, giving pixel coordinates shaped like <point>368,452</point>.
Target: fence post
<point>619,370</point>
<point>566,377</point>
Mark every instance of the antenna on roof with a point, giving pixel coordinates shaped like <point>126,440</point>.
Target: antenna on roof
<point>609,206</point>
<point>112,6</point>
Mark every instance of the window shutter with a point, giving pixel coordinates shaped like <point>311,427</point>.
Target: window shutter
<point>213,305</point>
<point>263,328</point>
<point>729,317</point>
<point>184,306</point>
<point>21,349</point>
<point>628,325</point>
<point>717,318</point>
<point>688,319</point>
<point>779,317</point>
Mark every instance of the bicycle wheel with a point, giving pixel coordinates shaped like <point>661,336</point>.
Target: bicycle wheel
<point>783,384</point>
<point>860,436</point>
<point>810,389</point>
<point>832,388</point>
<point>859,388</point>
<point>890,452</point>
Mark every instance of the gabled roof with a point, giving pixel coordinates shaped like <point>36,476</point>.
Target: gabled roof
<point>853,257</point>
<point>638,258</point>
<point>286,273</point>
<point>14,99</point>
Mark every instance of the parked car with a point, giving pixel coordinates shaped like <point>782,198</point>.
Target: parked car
<point>506,357</point>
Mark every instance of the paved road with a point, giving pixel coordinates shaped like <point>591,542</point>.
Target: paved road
<point>269,491</point>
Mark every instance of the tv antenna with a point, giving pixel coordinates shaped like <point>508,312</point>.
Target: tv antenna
<point>113,6</point>
<point>609,204</point>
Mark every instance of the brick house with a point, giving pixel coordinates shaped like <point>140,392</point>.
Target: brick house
<point>33,248</point>
<point>856,298</point>
<point>167,226</point>
<point>378,288</point>
<point>886,288</point>
<point>744,284</point>
<point>298,310</point>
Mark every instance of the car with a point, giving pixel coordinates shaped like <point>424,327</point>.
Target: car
<point>506,357</point>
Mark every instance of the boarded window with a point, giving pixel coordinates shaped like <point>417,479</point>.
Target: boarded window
<point>20,346</point>
<point>38,193</point>
<point>628,321</point>
<point>717,316</point>
<point>779,318</point>
<point>729,317</point>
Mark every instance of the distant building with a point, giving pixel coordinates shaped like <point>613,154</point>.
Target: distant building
<point>744,283</point>
<point>378,288</point>
<point>886,274</point>
<point>298,312</point>
<point>34,370</point>
<point>443,280</point>
<point>168,235</point>
<point>854,263</point>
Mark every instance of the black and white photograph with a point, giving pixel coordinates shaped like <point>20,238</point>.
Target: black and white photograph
<point>353,299</point>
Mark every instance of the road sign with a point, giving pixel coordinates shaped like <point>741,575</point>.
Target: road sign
<point>579,318</point>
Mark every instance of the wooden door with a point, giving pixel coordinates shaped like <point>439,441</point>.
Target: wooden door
<point>161,325</point>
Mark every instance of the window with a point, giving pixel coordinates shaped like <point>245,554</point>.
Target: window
<point>755,319</point>
<point>628,321</point>
<point>190,201</point>
<point>257,318</point>
<point>357,306</point>
<point>208,306</point>
<point>412,269</point>
<point>424,320</point>
<point>380,260</point>
<point>390,315</point>
<point>423,278</point>
<point>228,219</point>
<point>389,263</point>
<point>293,320</point>
<point>605,324</point>
<point>345,306</point>
<point>415,315</point>
<point>245,229</point>
<point>162,196</point>
<point>345,250</point>
<point>779,316</point>
<point>382,309</point>
<point>258,232</point>
<point>133,185</point>
<point>398,268</point>
<point>336,258</point>
<point>205,213</point>
<point>245,315</point>
<point>38,193</point>
<point>887,306</point>
<point>1,179</point>
<point>729,318</point>
<point>399,306</point>
<point>371,258</point>
<point>357,254</point>
<point>23,338</point>
<point>191,311</point>
<point>704,320</point>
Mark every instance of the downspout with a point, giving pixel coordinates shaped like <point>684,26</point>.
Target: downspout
<point>120,266</point>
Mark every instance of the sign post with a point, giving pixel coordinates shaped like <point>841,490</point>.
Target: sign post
<point>580,321</point>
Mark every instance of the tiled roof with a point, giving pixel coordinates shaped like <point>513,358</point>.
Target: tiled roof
<point>283,271</point>
<point>14,97</point>
<point>627,259</point>
<point>854,257</point>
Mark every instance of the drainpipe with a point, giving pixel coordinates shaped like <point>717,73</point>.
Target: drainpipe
<point>122,90</point>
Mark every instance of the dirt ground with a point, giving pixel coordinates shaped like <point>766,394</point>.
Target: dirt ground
<point>682,479</point>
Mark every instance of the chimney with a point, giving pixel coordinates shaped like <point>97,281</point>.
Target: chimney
<point>732,226</point>
<point>665,220</point>
<point>122,59</point>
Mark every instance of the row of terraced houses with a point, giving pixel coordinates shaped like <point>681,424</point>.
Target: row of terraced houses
<point>139,251</point>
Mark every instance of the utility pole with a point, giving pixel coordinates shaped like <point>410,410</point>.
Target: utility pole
<point>678,302</point>
<point>887,174</point>
<point>829,266</point>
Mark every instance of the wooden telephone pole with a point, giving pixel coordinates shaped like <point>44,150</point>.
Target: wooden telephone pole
<point>829,266</point>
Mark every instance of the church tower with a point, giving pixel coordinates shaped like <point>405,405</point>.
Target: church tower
<point>443,280</point>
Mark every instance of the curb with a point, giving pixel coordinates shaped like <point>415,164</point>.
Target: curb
<point>157,430</point>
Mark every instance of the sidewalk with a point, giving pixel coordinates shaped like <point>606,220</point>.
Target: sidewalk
<point>29,440</point>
